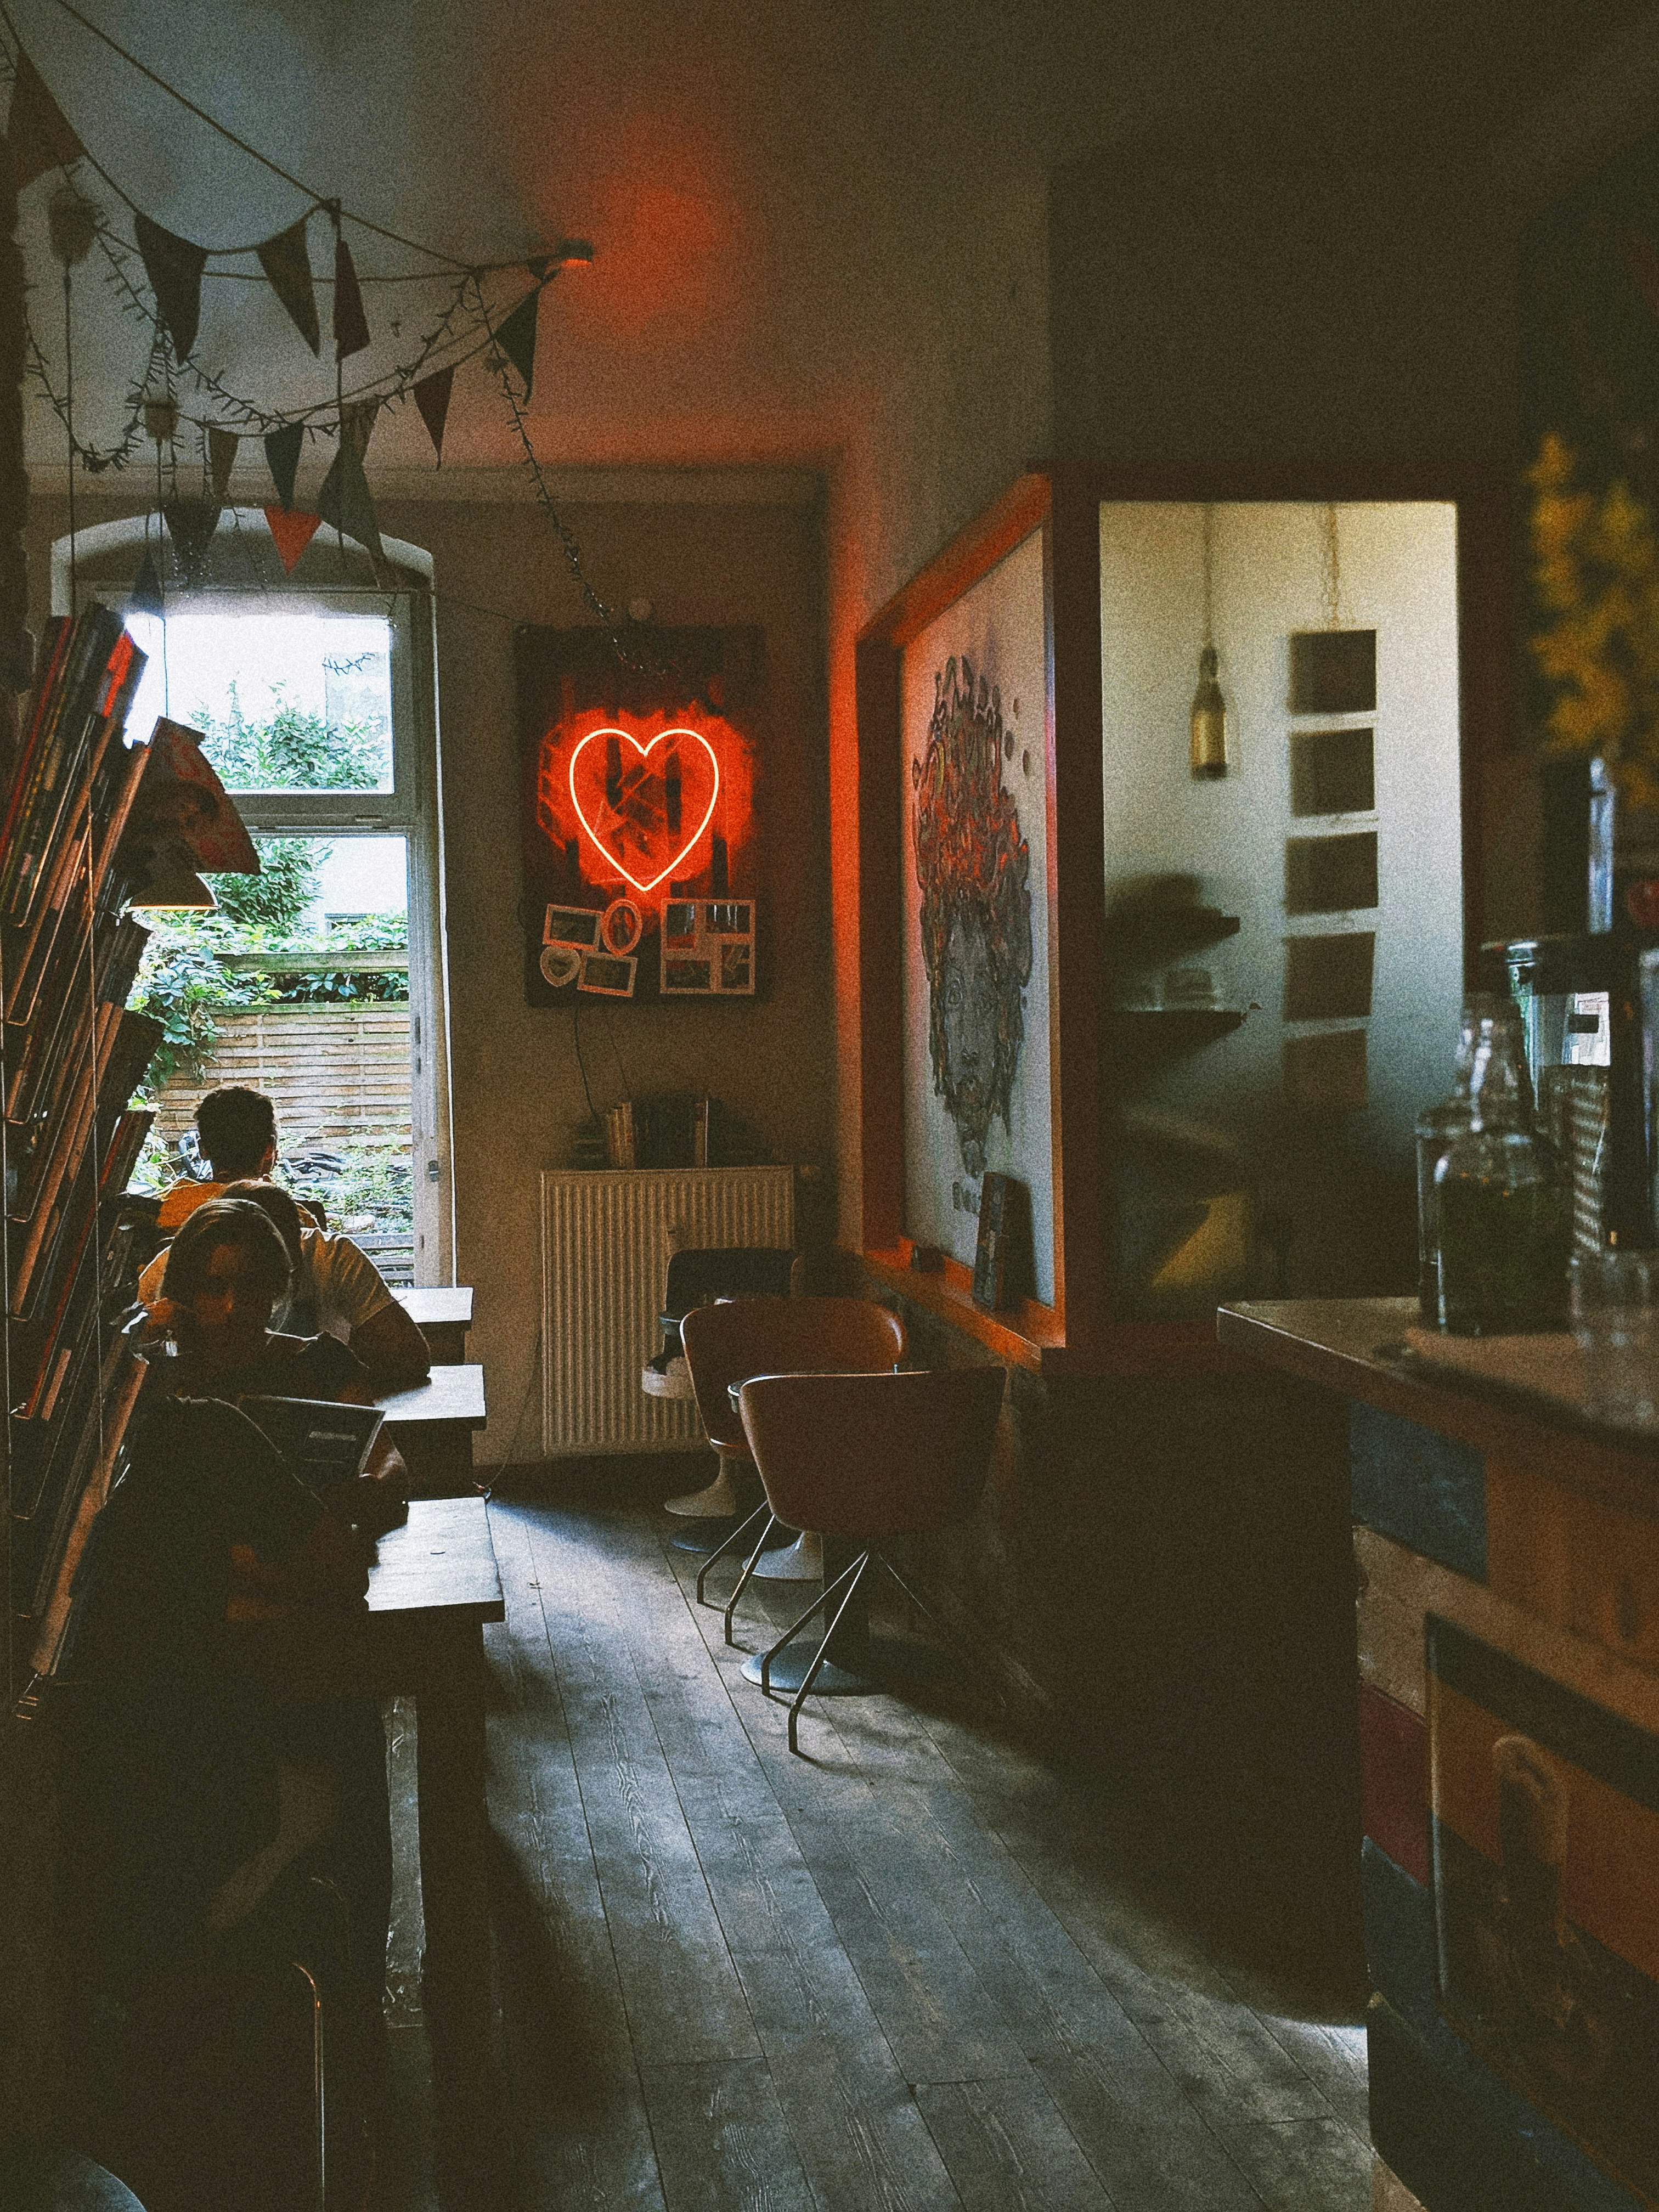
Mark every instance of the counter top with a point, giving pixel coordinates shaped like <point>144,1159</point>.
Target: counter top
<point>1341,1345</point>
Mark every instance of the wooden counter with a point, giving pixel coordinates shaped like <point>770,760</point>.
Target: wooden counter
<point>1507,1558</point>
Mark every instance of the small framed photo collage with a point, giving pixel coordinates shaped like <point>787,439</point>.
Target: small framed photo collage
<point>707,947</point>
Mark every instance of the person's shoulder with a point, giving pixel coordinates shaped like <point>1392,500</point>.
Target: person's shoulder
<point>181,1201</point>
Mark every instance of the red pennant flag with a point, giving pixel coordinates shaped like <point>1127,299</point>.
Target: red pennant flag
<point>174,268</point>
<point>351,323</point>
<point>432,397</point>
<point>516,337</point>
<point>221,458</point>
<point>291,530</point>
<point>286,263</point>
<point>41,137</point>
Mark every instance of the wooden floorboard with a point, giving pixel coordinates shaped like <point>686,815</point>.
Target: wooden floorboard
<point>913,1971</point>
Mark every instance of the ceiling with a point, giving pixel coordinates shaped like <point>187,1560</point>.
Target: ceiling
<point>768,184</point>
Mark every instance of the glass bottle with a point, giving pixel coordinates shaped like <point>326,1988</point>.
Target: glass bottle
<point>1504,1222</point>
<point>1436,1127</point>
<point>1209,729</point>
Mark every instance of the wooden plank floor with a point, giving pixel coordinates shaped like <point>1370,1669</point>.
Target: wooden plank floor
<point>915,1971</point>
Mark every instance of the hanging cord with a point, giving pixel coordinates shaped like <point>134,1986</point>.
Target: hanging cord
<point>68,425</point>
<point>611,1036</point>
<point>576,1035</point>
<point>1333,568</point>
<point>1209,573</point>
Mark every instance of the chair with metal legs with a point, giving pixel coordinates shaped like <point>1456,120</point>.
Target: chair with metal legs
<point>698,1277</point>
<point>725,1344</point>
<point>864,1458</point>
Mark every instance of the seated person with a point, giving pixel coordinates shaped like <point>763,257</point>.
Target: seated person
<point>335,1289</point>
<point>238,1131</point>
<point>183,1747</point>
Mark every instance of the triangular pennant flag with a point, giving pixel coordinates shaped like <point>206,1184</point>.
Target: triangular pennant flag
<point>357,419</point>
<point>287,265</point>
<point>145,597</point>
<point>344,499</point>
<point>40,135</point>
<point>432,397</point>
<point>293,531</point>
<point>221,458</point>
<point>174,268</point>
<point>191,523</point>
<point>351,323</point>
<point>516,337</point>
<point>282,457</point>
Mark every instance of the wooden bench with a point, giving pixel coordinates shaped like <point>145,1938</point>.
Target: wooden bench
<point>443,1317</point>
<point>432,1426</point>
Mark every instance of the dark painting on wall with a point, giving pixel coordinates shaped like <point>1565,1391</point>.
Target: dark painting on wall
<point>637,790</point>
<point>974,869</point>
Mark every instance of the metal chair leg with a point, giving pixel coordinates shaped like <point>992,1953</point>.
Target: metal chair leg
<point>952,1636</point>
<point>318,2090</point>
<point>726,1548</point>
<point>790,1633</point>
<point>748,1574</point>
<point>813,1671</point>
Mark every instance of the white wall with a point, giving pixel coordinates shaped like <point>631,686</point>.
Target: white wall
<point>1398,574</point>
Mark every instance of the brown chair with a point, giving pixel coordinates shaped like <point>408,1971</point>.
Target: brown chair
<point>728,1343</point>
<point>865,1457</point>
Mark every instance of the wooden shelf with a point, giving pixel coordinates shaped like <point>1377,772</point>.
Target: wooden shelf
<point>1144,934</point>
<point>1163,1031</point>
<point>1027,1335</point>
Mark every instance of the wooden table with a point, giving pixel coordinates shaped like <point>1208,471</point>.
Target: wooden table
<point>432,1424</point>
<point>433,1586</point>
<point>443,1317</point>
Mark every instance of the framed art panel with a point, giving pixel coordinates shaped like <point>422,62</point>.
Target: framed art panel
<point>640,797</point>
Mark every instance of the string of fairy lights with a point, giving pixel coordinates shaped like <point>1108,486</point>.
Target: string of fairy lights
<point>154,278</point>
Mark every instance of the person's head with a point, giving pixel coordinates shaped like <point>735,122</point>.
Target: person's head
<point>238,1130</point>
<point>226,1269</point>
<point>275,1201</point>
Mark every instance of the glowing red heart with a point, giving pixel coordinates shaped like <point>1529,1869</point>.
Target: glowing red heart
<point>627,809</point>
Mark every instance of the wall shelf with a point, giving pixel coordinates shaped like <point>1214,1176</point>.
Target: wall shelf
<point>1143,934</point>
<point>1167,1029</point>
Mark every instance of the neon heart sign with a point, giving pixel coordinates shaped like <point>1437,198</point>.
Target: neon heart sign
<point>634,815</point>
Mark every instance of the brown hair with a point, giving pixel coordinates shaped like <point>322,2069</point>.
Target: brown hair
<point>273,1200</point>
<point>233,1221</point>
<point>236,1125</point>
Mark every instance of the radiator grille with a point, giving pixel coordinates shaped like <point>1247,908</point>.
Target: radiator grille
<point>606,1238</point>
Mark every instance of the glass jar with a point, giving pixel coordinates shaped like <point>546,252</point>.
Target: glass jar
<point>1504,1220</point>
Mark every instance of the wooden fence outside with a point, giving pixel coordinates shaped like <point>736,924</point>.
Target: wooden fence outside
<point>332,1073</point>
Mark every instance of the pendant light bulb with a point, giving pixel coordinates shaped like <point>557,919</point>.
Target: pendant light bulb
<point>1209,728</point>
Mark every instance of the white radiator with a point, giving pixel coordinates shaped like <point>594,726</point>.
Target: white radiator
<point>606,1237</point>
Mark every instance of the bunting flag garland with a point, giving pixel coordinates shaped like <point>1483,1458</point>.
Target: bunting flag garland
<point>351,323</point>
<point>292,531</point>
<point>174,268</point>
<point>191,523</point>
<point>283,458</point>
<point>344,500</point>
<point>357,419</point>
<point>432,397</point>
<point>516,337</point>
<point>221,458</point>
<point>287,265</point>
<point>40,135</point>
<point>145,597</point>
